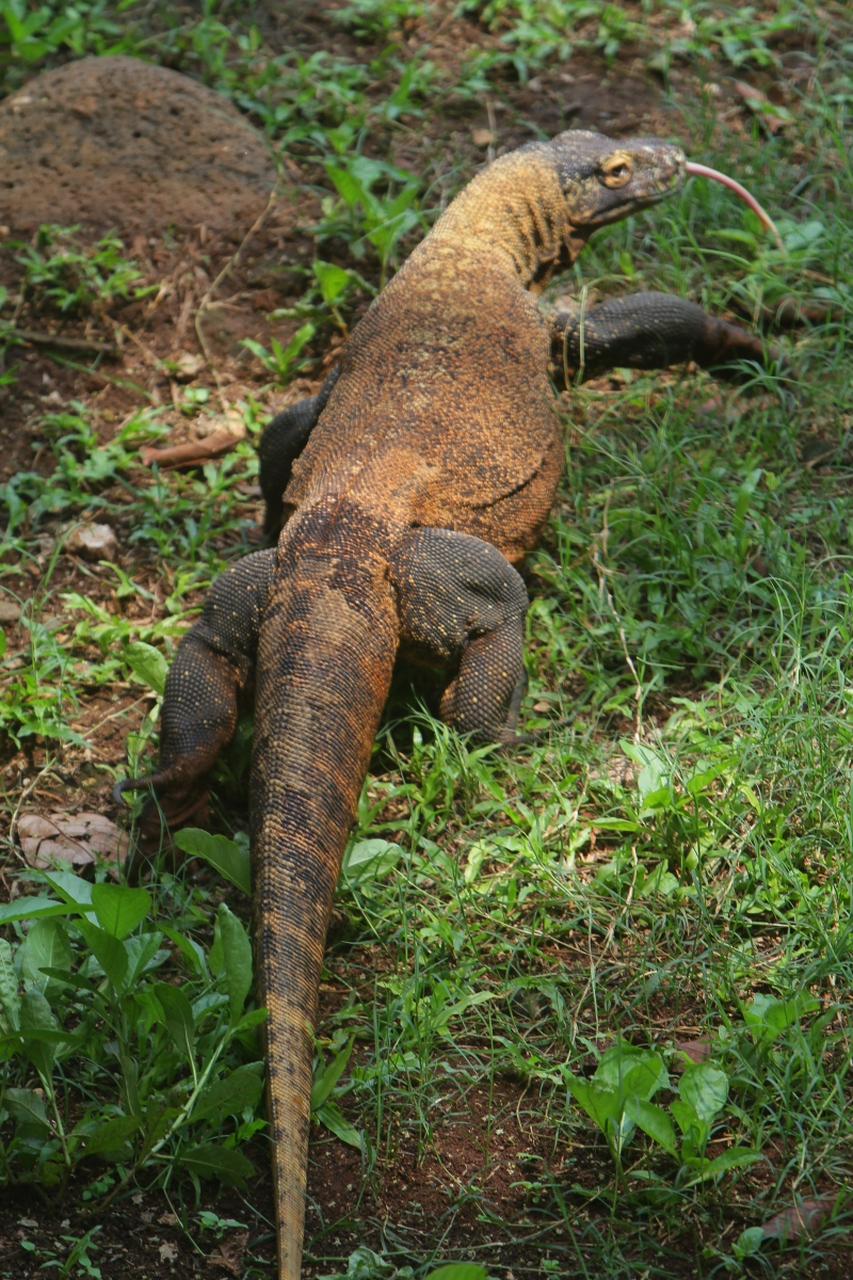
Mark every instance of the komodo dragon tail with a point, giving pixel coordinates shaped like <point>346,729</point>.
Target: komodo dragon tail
<point>326,652</point>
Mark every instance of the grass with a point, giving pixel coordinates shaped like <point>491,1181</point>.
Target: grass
<point>533,938</point>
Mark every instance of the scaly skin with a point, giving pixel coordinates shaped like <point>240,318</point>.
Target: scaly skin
<point>429,469</point>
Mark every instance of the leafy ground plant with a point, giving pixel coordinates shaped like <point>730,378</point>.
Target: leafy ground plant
<point>80,993</point>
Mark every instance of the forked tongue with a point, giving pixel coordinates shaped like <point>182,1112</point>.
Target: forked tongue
<point>702,171</point>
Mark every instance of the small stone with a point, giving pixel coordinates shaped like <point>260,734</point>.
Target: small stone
<point>92,542</point>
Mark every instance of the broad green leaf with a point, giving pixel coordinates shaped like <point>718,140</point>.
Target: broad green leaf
<point>653,1121</point>
<point>735,1158</point>
<point>348,186</point>
<point>249,1020</point>
<point>109,952</point>
<point>70,887</point>
<point>705,1088</point>
<point>327,1077</point>
<point>632,1070</point>
<point>229,1096</point>
<point>178,1016</point>
<point>768,1017</point>
<point>333,1119</point>
<point>31,909</point>
<point>459,1271</point>
<point>147,664</point>
<point>645,1077</point>
<point>369,859</point>
<point>654,773</point>
<point>744,498</point>
<point>73,980</point>
<point>27,1107</point>
<point>157,1117</point>
<point>36,1016</point>
<point>659,883</point>
<point>10,1002</point>
<point>749,1242</point>
<point>332,280</point>
<point>687,1119</point>
<point>143,955</point>
<point>212,1161</point>
<point>303,335</point>
<point>189,948</point>
<point>229,858</point>
<point>237,959</point>
<point>47,946</point>
<point>598,1101</point>
<point>119,908</point>
<point>109,1139</point>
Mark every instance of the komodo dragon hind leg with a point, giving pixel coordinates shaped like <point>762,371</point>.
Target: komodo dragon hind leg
<point>214,664</point>
<point>648,331</point>
<point>284,438</point>
<point>462,604</point>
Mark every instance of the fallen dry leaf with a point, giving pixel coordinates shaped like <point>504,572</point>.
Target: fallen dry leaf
<point>70,841</point>
<point>696,1050</point>
<point>231,1252</point>
<point>168,1251</point>
<point>802,1219</point>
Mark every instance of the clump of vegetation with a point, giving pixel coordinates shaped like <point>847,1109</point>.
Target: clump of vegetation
<point>73,278</point>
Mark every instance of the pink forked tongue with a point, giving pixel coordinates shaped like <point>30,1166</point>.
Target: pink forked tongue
<point>702,171</point>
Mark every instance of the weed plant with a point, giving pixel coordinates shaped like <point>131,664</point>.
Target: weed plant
<point>638,926</point>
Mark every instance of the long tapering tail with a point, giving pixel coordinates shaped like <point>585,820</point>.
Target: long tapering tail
<point>326,654</point>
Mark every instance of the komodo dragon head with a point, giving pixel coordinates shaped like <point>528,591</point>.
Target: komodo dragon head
<point>542,202</point>
<point>603,181</point>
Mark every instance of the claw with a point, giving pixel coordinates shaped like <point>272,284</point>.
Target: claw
<point>130,784</point>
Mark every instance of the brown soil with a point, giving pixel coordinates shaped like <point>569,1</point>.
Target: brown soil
<point>117,142</point>
<point>120,143</point>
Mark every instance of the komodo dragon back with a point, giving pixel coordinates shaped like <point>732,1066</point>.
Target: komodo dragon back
<point>428,474</point>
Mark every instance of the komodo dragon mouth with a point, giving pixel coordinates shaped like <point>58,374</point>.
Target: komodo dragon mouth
<point>447,375</point>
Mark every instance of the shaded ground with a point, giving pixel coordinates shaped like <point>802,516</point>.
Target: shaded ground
<point>481,1168</point>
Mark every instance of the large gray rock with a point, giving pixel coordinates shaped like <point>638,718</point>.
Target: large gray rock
<point>116,142</point>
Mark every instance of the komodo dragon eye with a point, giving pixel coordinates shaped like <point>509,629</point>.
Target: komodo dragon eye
<point>616,171</point>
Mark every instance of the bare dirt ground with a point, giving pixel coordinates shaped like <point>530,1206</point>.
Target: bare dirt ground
<point>182,246</point>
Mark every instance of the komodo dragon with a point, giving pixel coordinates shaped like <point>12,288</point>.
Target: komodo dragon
<point>426,468</point>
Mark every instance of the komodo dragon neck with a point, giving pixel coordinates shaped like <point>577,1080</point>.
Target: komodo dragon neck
<point>513,215</point>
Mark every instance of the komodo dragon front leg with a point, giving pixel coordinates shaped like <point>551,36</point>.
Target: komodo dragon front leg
<point>649,331</point>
